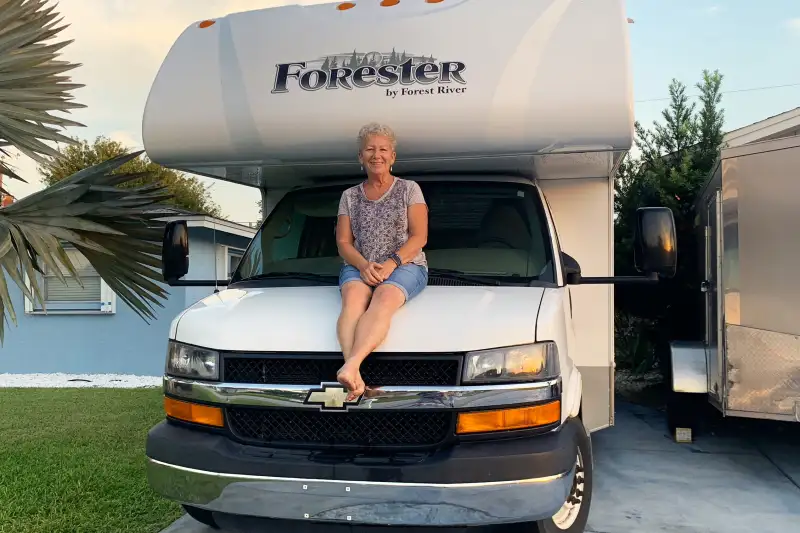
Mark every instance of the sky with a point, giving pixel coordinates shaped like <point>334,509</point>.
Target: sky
<point>121,43</point>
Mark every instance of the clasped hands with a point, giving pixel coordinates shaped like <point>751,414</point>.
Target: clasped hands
<point>376,273</point>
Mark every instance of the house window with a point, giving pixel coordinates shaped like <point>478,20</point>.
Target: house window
<point>234,256</point>
<point>68,296</point>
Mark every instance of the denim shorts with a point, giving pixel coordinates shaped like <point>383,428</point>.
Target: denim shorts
<point>409,278</point>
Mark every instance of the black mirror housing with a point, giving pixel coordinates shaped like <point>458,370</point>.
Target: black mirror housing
<point>175,250</point>
<point>572,270</point>
<point>656,242</point>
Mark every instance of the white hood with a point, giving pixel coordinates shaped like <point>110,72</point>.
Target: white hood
<point>440,319</point>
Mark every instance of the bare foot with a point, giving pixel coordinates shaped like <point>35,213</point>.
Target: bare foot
<point>350,377</point>
<point>360,389</point>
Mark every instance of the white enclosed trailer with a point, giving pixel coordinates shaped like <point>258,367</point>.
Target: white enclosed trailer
<point>748,363</point>
<point>513,117</point>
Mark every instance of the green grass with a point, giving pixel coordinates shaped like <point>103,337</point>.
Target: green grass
<point>72,460</point>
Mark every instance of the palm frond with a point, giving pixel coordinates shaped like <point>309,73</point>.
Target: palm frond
<point>32,82</point>
<point>117,229</point>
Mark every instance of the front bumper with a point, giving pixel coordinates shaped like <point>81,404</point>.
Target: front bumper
<point>480,483</point>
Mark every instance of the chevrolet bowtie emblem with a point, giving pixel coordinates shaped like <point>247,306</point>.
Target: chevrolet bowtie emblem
<point>330,397</point>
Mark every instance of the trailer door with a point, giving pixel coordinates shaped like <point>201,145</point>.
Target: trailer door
<point>709,287</point>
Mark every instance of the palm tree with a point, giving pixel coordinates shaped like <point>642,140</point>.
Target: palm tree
<point>116,229</point>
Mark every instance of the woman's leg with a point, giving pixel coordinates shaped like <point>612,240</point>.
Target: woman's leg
<point>405,283</point>
<point>370,331</point>
<point>355,299</point>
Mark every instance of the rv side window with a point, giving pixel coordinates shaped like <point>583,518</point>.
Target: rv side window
<point>488,229</point>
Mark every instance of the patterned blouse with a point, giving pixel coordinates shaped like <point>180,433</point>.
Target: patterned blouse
<point>380,227</point>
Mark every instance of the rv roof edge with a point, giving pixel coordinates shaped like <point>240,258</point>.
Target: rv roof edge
<point>244,100</point>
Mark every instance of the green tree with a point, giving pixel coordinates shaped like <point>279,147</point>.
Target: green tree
<point>114,226</point>
<point>675,160</point>
<point>187,192</point>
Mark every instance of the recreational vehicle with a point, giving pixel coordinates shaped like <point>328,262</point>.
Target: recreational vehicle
<point>748,362</point>
<point>513,118</point>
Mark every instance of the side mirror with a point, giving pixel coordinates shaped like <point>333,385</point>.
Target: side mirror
<point>175,251</point>
<point>655,242</point>
<point>572,270</point>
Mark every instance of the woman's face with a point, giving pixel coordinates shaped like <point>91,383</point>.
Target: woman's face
<point>377,154</point>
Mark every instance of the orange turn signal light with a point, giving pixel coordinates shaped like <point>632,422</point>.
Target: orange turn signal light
<point>506,419</point>
<point>193,412</point>
<point>345,6</point>
<point>206,24</point>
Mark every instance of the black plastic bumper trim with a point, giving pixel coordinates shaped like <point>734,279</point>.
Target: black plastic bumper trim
<point>531,457</point>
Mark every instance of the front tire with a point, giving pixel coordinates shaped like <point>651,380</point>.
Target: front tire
<point>574,514</point>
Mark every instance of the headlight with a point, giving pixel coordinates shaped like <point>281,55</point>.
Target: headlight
<point>192,362</point>
<point>528,362</point>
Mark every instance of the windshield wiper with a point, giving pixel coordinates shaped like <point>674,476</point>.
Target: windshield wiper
<point>291,275</point>
<point>461,276</point>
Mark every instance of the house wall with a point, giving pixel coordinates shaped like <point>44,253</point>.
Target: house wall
<point>119,343</point>
<point>202,245</point>
<point>116,343</point>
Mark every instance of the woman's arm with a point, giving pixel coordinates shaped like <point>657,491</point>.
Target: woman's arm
<point>348,252</point>
<point>417,228</point>
<point>417,238</point>
<point>344,243</point>
<point>417,232</point>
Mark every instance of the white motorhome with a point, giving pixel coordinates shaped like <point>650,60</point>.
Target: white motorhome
<point>513,117</point>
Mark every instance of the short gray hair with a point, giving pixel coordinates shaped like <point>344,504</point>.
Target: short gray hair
<point>373,128</point>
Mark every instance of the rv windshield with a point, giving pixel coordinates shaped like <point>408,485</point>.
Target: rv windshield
<point>478,233</point>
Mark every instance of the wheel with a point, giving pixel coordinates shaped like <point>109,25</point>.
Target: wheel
<point>202,516</point>
<point>574,514</point>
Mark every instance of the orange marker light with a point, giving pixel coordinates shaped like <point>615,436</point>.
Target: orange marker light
<point>390,3</point>
<point>345,5</point>
<point>192,412</point>
<point>434,1</point>
<point>206,23</point>
<point>507,419</point>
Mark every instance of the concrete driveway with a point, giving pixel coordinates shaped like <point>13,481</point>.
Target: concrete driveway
<point>738,476</point>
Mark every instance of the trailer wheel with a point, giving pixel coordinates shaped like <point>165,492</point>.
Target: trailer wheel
<point>574,514</point>
<point>201,515</point>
